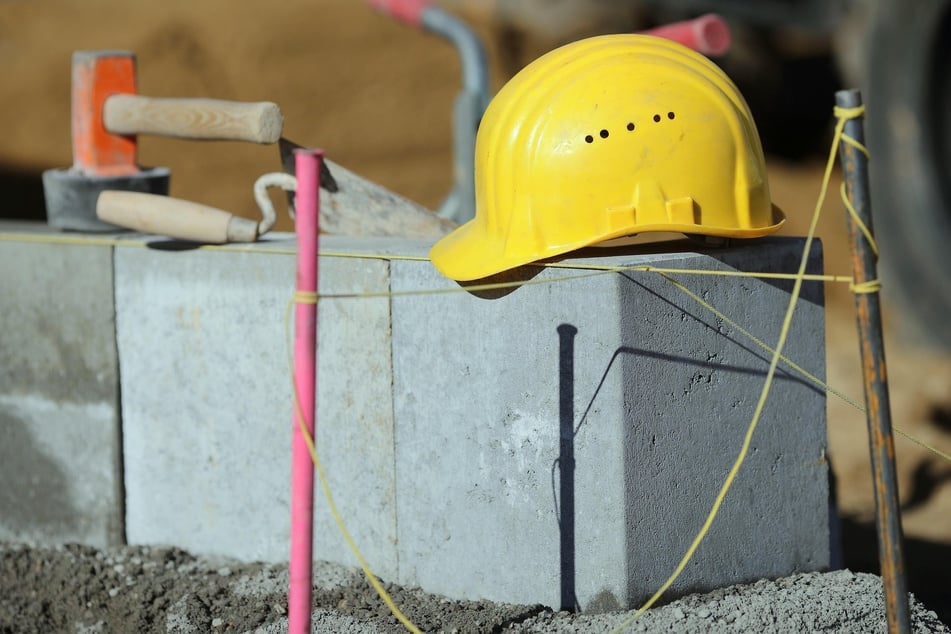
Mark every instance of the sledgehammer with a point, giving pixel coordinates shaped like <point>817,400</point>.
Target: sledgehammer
<point>107,114</point>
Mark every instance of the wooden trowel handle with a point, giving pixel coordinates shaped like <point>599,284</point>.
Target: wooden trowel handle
<point>204,119</point>
<point>173,217</point>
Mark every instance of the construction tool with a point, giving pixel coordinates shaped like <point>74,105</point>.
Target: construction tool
<point>175,218</point>
<point>353,206</point>
<point>350,205</point>
<point>107,114</point>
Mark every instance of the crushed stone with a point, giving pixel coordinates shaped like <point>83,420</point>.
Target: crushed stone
<point>73,588</point>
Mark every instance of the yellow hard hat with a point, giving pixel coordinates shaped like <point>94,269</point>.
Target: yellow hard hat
<point>608,137</point>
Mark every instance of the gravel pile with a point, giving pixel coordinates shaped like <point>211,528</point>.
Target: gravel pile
<point>167,590</point>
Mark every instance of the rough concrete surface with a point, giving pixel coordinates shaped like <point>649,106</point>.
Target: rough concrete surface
<point>149,589</point>
<point>200,332</point>
<point>59,389</point>
<point>562,444</point>
<point>378,97</point>
<point>467,417</point>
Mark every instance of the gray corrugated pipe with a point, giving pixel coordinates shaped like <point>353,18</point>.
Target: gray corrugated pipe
<point>459,205</point>
<point>471,102</point>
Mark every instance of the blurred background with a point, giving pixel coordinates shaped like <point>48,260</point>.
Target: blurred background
<point>378,96</point>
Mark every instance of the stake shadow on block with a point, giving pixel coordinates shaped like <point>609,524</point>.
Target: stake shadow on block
<point>563,487</point>
<point>753,363</point>
<point>566,464</point>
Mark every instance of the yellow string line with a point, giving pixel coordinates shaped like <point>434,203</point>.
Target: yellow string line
<point>129,242</point>
<point>870,286</point>
<point>596,270</point>
<point>373,256</point>
<point>471,288</point>
<point>648,268</point>
<point>305,297</point>
<point>848,139</point>
<point>919,442</point>
<point>16,236</point>
<point>761,403</point>
<point>802,371</point>
<point>866,287</point>
<point>858,221</point>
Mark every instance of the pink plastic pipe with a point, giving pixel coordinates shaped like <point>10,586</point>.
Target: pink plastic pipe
<point>408,11</point>
<point>307,165</point>
<point>708,34</point>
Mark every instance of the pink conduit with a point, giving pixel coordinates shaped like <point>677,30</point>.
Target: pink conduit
<point>708,34</point>
<point>307,164</point>
<point>408,11</point>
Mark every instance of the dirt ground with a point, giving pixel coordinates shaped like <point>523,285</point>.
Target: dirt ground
<point>377,96</point>
<point>165,590</point>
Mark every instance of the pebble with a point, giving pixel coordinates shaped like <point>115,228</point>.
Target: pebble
<point>703,613</point>
<point>217,622</point>
<point>113,592</point>
<point>678,614</point>
<point>224,571</point>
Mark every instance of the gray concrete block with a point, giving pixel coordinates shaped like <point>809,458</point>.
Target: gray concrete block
<point>59,459</point>
<point>446,422</point>
<point>645,393</point>
<point>207,401</point>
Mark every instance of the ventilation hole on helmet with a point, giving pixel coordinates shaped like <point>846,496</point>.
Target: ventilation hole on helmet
<point>670,115</point>
<point>630,126</point>
<point>604,134</point>
<point>656,118</point>
<point>589,139</point>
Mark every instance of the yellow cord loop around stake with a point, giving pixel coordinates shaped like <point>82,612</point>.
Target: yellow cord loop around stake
<point>866,288</point>
<point>858,221</point>
<point>305,297</point>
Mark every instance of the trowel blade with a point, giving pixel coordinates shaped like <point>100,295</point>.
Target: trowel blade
<point>352,205</point>
<point>287,148</point>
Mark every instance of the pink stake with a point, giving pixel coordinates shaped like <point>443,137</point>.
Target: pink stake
<point>307,163</point>
<point>708,34</point>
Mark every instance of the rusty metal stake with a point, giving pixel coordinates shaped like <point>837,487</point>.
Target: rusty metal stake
<point>878,410</point>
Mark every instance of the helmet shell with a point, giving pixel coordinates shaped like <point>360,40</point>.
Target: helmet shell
<point>608,137</point>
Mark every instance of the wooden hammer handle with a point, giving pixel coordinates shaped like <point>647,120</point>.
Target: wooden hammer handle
<point>206,119</point>
<point>173,217</point>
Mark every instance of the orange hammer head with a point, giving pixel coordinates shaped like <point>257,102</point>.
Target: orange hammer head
<point>102,161</point>
<point>96,76</point>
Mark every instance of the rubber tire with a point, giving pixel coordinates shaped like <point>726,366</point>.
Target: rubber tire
<point>908,114</point>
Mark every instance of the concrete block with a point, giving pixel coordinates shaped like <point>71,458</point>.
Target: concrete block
<point>447,422</point>
<point>563,444</point>
<point>207,401</point>
<point>60,470</point>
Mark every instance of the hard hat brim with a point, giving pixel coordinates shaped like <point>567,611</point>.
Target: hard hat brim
<point>470,253</point>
